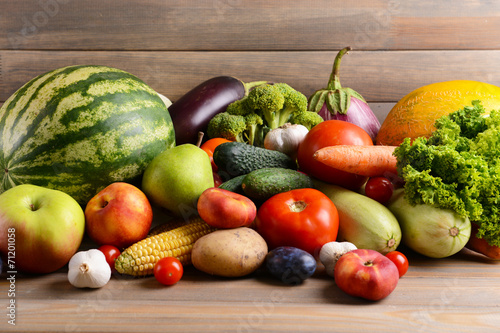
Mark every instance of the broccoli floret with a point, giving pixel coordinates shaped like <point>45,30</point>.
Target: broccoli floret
<point>267,101</point>
<point>276,103</point>
<point>227,126</point>
<point>239,107</point>
<point>308,119</point>
<point>254,131</point>
<point>295,103</point>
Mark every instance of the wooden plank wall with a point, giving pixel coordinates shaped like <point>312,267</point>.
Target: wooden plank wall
<point>174,45</point>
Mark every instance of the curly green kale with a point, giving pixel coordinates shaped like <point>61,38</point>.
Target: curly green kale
<point>458,167</point>
<point>265,107</point>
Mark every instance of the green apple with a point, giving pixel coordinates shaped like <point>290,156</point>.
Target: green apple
<point>40,228</point>
<point>176,178</point>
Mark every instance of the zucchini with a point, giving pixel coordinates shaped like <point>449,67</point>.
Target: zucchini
<point>261,184</point>
<point>363,221</point>
<point>428,230</point>
<point>237,158</point>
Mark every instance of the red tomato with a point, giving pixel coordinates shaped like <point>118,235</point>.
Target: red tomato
<point>209,147</point>
<point>400,260</point>
<point>332,133</point>
<point>303,218</point>
<point>379,189</point>
<point>217,180</point>
<point>111,253</point>
<point>168,271</point>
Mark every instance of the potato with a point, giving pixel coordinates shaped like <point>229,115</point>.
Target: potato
<point>229,252</point>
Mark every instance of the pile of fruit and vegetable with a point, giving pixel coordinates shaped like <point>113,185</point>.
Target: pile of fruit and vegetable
<point>250,176</point>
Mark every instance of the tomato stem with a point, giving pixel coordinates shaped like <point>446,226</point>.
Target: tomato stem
<point>297,206</point>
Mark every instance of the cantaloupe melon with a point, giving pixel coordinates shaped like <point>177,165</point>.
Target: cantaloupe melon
<point>414,115</point>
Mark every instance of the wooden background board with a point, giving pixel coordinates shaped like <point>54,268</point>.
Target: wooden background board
<point>174,45</point>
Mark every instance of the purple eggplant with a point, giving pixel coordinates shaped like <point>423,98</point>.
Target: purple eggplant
<point>192,112</point>
<point>337,102</point>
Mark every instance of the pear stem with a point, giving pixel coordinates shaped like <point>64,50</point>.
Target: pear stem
<point>200,139</point>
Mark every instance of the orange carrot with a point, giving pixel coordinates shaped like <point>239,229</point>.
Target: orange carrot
<point>367,161</point>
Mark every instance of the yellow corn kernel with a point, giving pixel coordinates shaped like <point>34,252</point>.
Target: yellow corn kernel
<point>139,259</point>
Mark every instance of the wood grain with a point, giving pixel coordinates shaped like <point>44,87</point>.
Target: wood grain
<point>379,76</point>
<point>248,25</point>
<point>458,294</point>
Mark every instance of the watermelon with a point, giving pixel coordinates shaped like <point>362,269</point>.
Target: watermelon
<point>78,129</point>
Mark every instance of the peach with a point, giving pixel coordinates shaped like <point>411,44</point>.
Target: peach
<point>224,209</point>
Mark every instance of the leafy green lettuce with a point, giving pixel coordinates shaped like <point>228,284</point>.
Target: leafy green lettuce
<point>458,167</point>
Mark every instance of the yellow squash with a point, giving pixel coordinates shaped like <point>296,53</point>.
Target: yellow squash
<point>414,115</point>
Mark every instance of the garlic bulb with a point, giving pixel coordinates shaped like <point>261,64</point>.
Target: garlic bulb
<point>286,138</point>
<point>88,269</point>
<point>331,252</point>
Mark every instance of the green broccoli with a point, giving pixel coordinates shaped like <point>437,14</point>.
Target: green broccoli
<point>254,131</point>
<point>457,168</point>
<point>239,107</point>
<point>276,103</point>
<point>265,107</point>
<point>227,126</point>
<point>307,118</point>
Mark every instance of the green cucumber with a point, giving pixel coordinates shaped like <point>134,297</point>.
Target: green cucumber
<point>261,184</point>
<point>363,221</point>
<point>237,158</point>
<point>233,184</point>
<point>428,230</point>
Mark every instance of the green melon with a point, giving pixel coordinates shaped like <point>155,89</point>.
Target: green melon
<point>80,128</point>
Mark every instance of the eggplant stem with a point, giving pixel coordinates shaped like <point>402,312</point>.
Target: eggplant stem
<point>334,82</point>
<point>250,85</point>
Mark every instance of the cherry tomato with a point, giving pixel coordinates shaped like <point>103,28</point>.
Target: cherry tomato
<point>111,253</point>
<point>332,133</point>
<point>302,218</point>
<point>168,271</point>
<point>400,260</point>
<point>209,147</point>
<point>379,189</point>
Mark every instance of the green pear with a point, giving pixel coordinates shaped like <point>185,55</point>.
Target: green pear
<point>176,178</point>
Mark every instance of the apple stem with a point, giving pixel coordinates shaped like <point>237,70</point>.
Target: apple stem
<point>369,263</point>
<point>200,139</point>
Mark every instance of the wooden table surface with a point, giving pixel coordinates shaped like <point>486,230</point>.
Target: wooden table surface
<point>456,294</point>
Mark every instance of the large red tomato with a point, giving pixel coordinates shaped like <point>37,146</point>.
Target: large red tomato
<point>303,218</point>
<point>332,133</point>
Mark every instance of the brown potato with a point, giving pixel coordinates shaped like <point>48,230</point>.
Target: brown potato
<point>229,252</point>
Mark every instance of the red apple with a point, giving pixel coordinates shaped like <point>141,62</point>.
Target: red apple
<point>225,209</point>
<point>366,273</point>
<point>119,215</point>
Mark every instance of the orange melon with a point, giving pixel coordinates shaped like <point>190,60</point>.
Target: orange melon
<point>414,115</point>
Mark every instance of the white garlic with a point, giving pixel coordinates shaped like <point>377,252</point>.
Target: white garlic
<point>331,252</point>
<point>88,269</point>
<point>286,138</point>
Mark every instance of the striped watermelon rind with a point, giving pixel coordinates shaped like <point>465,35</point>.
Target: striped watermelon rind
<point>80,128</point>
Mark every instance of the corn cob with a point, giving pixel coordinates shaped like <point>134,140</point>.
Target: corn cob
<point>139,259</point>
<point>167,226</point>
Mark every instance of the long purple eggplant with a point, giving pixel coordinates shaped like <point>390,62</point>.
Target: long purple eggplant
<point>192,112</point>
